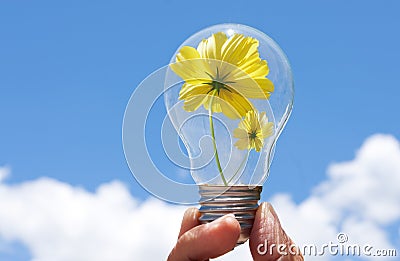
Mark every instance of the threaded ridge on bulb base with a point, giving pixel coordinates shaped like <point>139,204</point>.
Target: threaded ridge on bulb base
<point>242,201</point>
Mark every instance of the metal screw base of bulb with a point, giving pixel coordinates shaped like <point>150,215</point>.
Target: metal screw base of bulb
<point>242,201</point>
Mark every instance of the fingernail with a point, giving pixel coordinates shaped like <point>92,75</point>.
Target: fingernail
<point>267,212</point>
<point>272,214</point>
<point>266,219</point>
<point>230,215</point>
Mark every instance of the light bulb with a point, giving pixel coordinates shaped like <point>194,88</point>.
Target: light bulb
<point>229,93</point>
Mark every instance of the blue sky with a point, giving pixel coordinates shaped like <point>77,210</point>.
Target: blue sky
<point>68,68</point>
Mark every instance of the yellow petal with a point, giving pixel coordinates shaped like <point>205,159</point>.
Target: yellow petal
<point>240,133</point>
<point>239,105</point>
<point>193,71</point>
<point>230,46</point>
<point>255,68</point>
<point>245,124</point>
<point>252,117</point>
<point>254,88</point>
<point>212,102</point>
<point>258,144</point>
<point>242,144</point>
<point>190,66</point>
<point>189,90</point>
<point>202,48</point>
<point>262,119</point>
<point>227,108</point>
<point>211,47</point>
<point>237,48</point>
<point>217,41</point>
<point>265,84</point>
<point>194,102</point>
<point>187,53</point>
<point>267,130</point>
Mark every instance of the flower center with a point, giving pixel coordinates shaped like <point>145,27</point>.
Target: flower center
<point>218,86</point>
<point>253,135</point>
<point>218,82</point>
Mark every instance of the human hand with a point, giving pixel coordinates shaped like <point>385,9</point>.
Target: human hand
<point>202,242</point>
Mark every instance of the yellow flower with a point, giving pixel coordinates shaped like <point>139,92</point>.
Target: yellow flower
<point>222,74</point>
<point>252,131</point>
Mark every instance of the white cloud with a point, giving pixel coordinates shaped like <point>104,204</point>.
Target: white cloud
<point>360,198</point>
<point>4,172</point>
<point>57,221</point>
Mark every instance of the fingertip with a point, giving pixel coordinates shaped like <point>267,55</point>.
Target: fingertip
<point>264,209</point>
<point>232,222</point>
<point>208,241</point>
<point>192,213</point>
<point>265,228</point>
<point>266,215</point>
<point>269,208</point>
<point>190,220</point>
<point>226,228</point>
<point>225,232</point>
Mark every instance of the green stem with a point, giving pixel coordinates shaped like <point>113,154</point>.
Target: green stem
<point>241,165</point>
<point>215,147</point>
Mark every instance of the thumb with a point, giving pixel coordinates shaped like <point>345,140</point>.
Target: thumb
<point>207,241</point>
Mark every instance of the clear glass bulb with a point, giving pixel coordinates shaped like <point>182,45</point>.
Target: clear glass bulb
<point>229,93</point>
<point>240,167</point>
